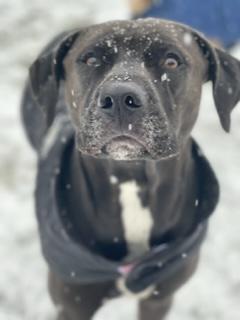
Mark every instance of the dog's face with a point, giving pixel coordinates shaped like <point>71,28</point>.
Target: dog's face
<point>133,88</point>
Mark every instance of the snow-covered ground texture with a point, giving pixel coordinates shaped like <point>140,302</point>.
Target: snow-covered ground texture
<point>214,292</point>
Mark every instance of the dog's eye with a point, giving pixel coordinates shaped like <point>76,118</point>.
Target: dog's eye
<point>172,61</point>
<point>93,62</point>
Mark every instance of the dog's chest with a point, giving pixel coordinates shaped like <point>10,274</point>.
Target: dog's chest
<point>136,219</point>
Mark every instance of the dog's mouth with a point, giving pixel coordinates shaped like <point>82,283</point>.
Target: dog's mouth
<point>129,147</point>
<point>125,148</point>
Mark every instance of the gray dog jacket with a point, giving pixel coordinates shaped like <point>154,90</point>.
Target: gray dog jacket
<point>75,263</point>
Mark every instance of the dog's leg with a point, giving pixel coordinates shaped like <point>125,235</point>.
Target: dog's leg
<point>154,308</point>
<point>77,302</point>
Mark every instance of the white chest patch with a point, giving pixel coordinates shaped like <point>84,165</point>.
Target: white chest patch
<point>137,220</point>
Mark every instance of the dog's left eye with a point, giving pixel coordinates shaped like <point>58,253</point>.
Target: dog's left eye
<point>172,61</point>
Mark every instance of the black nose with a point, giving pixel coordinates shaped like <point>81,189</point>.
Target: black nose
<point>121,95</point>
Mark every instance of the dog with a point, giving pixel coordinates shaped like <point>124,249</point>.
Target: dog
<point>123,192</point>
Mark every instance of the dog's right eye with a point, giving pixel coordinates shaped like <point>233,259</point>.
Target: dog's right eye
<point>91,60</point>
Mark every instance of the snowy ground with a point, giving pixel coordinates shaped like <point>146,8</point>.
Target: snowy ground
<point>214,292</point>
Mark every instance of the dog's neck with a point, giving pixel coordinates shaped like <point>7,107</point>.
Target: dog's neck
<point>167,188</point>
<point>155,173</point>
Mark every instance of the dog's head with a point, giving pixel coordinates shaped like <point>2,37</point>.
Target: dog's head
<point>133,88</point>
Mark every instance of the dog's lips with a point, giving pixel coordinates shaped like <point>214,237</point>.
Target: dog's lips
<point>124,148</point>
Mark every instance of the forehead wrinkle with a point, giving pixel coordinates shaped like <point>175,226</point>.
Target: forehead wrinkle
<point>96,37</point>
<point>87,43</point>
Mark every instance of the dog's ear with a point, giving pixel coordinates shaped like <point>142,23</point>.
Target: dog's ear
<point>224,72</point>
<point>47,71</point>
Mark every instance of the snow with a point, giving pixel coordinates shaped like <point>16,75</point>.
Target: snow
<point>74,104</point>
<point>214,291</point>
<point>116,240</point>
<point>130,126</point>
<point>187,38</point>
<point>113,179</point>
<point>164,77</point>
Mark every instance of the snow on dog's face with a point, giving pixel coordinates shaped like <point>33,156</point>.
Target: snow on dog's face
<point>128,85</point>
<point>133,88</point>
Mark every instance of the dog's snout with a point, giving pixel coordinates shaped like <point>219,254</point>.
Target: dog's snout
<point>119,95</point>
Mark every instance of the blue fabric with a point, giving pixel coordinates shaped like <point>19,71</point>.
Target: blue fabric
<point>216,18</point>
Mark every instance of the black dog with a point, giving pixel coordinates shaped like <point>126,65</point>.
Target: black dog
<point>123,192</point>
